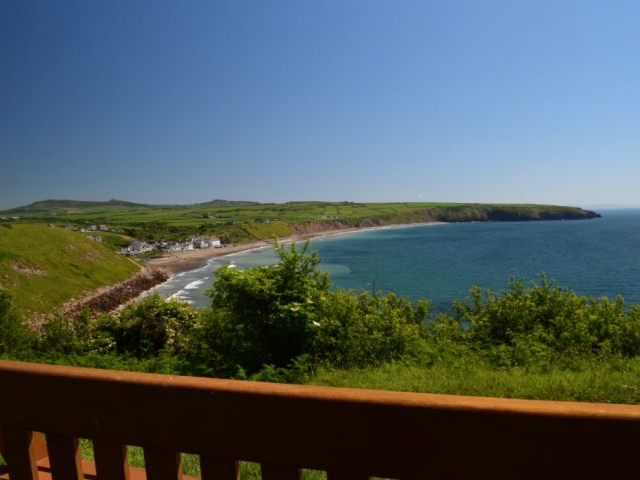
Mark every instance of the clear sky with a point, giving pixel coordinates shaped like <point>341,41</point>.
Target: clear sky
<point>360,100</point>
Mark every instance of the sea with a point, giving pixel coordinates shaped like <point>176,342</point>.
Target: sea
<point>442,262</point>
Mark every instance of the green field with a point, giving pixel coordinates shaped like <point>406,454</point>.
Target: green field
<point>248,221</point>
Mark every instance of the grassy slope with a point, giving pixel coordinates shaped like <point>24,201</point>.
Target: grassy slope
<point>605,382</point>
<point>44,267</point>
<point>177,222</point>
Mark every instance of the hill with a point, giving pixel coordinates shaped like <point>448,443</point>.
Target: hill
<point>61,207</point>
<point>225,203</point>
<point>239,222</point>
<point>44,267</point>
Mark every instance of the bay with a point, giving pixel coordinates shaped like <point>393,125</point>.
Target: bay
<point>441,262</point>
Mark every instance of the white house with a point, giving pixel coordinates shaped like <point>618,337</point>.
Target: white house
<point>139,247</point>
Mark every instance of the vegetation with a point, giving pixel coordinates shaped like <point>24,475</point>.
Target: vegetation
<point>247,221</point>
<point>44,267</point>
<point>285,323</point>
<point>15,337</point>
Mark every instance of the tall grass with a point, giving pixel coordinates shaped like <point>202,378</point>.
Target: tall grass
<point>600,382</point>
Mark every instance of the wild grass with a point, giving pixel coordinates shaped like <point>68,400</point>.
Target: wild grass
<point>267,230</point>
<point>44,267</point>
<point>615,381</point>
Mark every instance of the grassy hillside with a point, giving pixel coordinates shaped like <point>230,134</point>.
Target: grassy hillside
<point>247,221</point>
<point>63,207</point>
<point>44,267</point>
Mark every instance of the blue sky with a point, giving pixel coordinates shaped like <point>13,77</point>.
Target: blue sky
<point>273,101</point>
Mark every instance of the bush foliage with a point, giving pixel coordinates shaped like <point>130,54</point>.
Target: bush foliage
<point>285,322</point>
<point>16,338</point>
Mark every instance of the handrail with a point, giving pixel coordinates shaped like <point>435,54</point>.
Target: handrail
<point>348,433</point>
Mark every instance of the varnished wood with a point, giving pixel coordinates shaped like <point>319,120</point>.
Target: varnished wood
<point>369,433</point>
<point>162,464</point>
<point>20,453</point>
<point>112,461</point>
<point>333,475</point>
<point>40,446</point>
<point>213,468</point>
<point>64,457</point>
<point>272,471</point>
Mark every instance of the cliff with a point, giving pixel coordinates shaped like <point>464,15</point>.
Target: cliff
<point>456,213</point>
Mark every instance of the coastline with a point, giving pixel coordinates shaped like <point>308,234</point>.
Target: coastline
<point>185,261</point>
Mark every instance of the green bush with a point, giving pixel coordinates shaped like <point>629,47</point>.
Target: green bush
<point>15,336</point>
<point>151,326</point>
<point>265,320</point>
<point>62,336</point>
<point>266,315</point>
<point>366,329</point>
<point>542,324</point>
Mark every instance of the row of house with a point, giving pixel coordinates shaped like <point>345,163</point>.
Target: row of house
<point>192,243</point>
<point>90,228</point>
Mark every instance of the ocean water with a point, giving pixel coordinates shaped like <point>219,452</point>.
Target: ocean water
<point>441,262</point>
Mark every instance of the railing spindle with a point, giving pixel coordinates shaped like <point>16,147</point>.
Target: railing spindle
<point>333,475</point>
<point>162,464</point>
<point>112,461</point>
<point>64,457</point>
<point>271,471</point>
<point>213,468</point>
<point>20,453</point>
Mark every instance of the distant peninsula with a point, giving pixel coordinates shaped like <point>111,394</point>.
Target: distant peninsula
<point>247,221</point>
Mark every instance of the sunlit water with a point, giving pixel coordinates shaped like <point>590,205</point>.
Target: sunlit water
<point>442,262</point>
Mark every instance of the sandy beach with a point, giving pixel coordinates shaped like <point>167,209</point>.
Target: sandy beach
<point>184,261</point>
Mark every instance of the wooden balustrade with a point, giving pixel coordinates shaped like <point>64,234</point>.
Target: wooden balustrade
<point>351,434</point>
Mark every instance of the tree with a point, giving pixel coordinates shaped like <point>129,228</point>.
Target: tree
<point>267,315</point>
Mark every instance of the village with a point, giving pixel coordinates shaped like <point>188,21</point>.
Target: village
<point>193,242</point>
<point>139,247</point>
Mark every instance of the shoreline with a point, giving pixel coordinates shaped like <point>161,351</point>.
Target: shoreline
<point>186,261</point>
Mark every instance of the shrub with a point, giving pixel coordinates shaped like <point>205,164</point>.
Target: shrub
<point>366,329</point>
<point>265,315</point>
<point>151,326</point>
<point>536,324</point>
<point>266,319</point>
<point>15,336</point>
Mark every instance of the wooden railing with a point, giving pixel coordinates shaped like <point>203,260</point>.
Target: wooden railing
<point>351,434</point>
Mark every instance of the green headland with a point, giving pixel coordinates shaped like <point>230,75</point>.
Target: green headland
<point>249,221</point>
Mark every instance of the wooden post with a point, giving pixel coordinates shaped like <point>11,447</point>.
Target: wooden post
<point>271,471</point>
<point>64,457</point>
<point>213,468</point>
<point>20,453</point>
<point>162,464</point>
<point>333,475</point>
<point>112,461</point>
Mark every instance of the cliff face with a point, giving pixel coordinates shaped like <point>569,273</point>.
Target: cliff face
<point>462,213</point>
<point>480,213</point>
<point>320,226</point>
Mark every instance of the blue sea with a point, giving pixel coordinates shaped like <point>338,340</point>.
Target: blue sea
<point>441,262</point>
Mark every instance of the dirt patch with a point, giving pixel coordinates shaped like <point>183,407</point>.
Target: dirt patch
<point>28,271</point>
<point>92,257</point>
<point>72,247</point>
